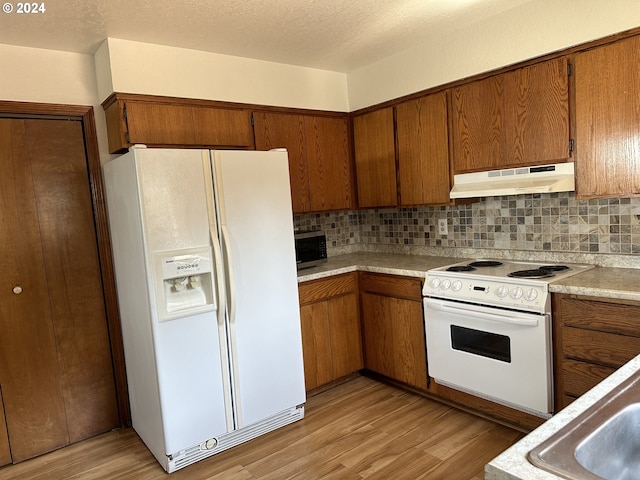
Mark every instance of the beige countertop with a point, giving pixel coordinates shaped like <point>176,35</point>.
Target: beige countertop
<point>512,464</point>
<point>610,282</point>
<point>622,283</point>
<point>390,263</point>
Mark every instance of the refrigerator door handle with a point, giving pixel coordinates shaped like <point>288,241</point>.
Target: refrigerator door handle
<point>215,242</point>
<point>231,286</point>
<point>217,253</point>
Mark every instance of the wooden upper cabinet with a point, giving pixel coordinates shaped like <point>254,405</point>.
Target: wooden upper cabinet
<point>276,130</point>
<point>537,114</point>
<point>423,150</point>
<point>154,124</point>
<point>477,129</point>
<point>331,176</point>
<point>514,119</point>
<point>160,121</point>
<point>320,165</point>
<point>374,142</point>
<point>223,127</point>
<point>607,91</point>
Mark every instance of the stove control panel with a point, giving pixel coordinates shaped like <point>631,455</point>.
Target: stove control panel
<point>519,294</point>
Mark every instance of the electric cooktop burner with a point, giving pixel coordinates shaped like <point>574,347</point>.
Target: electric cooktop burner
<point>485,263</point>
<point>554,268</point>
<point>534,273</point>
<point>461,268</point>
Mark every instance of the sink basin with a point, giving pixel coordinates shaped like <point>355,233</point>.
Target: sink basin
<point>602,442</point>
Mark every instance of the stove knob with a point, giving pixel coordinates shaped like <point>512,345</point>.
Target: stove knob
<point>502,291</point>
<point>446,283</point>
<point>434,282</point>
<point>531,295</point>
<point>516,293</point>
<point>456,286</point>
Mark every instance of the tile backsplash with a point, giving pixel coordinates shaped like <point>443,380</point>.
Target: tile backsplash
<point>555,222</point>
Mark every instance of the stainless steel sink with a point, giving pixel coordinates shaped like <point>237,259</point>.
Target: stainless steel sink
<point>602,442</point>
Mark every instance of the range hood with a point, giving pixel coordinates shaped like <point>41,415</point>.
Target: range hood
<point>515,181</point>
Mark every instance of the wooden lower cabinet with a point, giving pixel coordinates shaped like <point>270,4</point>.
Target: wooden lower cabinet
<point>393,328</point>
<point>593,337</point>
<point>331,334</point>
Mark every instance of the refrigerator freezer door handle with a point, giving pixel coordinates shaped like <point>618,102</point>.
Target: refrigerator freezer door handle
<point>231,285</point>
<point>217,253</point>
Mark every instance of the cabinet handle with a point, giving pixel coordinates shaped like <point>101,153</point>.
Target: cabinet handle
<point>17,290</point>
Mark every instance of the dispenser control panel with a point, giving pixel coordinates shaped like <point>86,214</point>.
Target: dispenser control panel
<point>186,286</point>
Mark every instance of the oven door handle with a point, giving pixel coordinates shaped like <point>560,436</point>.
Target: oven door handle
<point>513,318</point>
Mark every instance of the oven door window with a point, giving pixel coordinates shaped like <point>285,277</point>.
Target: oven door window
<point>478,342</point>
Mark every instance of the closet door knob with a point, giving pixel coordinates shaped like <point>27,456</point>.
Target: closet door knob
<point>17,290</point>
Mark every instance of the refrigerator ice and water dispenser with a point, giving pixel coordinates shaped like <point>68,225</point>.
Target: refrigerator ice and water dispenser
<point>186,283</point>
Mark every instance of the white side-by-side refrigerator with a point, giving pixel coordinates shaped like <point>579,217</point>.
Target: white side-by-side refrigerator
<point>205,270</point>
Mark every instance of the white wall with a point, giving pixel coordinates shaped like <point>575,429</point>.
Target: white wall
<point>526,31</point>
<point>49,76</point>
<point>136,67</point>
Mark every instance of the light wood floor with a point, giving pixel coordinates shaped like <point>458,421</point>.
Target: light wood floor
<point>361,429</point>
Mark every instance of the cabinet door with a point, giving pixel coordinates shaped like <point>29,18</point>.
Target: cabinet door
<point>374,143</point>
<point>316,344</point>
<point>346,336</point>
<point>394,338</point>
<point>537,114</point>
<point>423,150</point>
<point>607,86</point>
<point>276,130</point>
<point>377,327</point>
<point>477,136</point>
<point>160,124</point>
<point>409,340</point>
<point>331,183</point>
<point>221,127</point>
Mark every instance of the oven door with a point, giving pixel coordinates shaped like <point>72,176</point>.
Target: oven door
<point>501,355</point>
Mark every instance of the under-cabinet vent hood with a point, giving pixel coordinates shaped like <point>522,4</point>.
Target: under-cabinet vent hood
<point>515,181</point>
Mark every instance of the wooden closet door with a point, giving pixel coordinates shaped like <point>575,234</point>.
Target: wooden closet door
<point>69,245</point>
<point>29,372</point>
<point>56,372</point>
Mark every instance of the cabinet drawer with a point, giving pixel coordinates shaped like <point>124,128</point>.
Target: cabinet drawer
<point>317,290</point>
<point>391,285</point>
<point>578,377</point>
<point>599,347</point>
<point>609,317</point>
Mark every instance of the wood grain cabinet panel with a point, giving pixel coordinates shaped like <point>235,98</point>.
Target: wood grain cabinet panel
<point>331,174</point>
<point>393,328</point>
<point>537,114</point>
<point>513,119</point>
<point>277,130</point>
<point>158,124</point>
<point>478,116</point>
<point>331,334</point>
<point>320,166</point>
<point>224,128</point>
<point>316,344</point>
<point>374,143</point>
<point>607,113</point>
<point>422,137</point>
<point>592,338</point>
<point>175,122</point>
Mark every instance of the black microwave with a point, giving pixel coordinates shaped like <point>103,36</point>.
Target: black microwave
<point>311,248</point>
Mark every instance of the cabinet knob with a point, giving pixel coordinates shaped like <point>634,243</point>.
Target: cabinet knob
<point>17,290</point>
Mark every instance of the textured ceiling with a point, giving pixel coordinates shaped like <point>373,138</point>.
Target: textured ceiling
<point>338,35</point>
